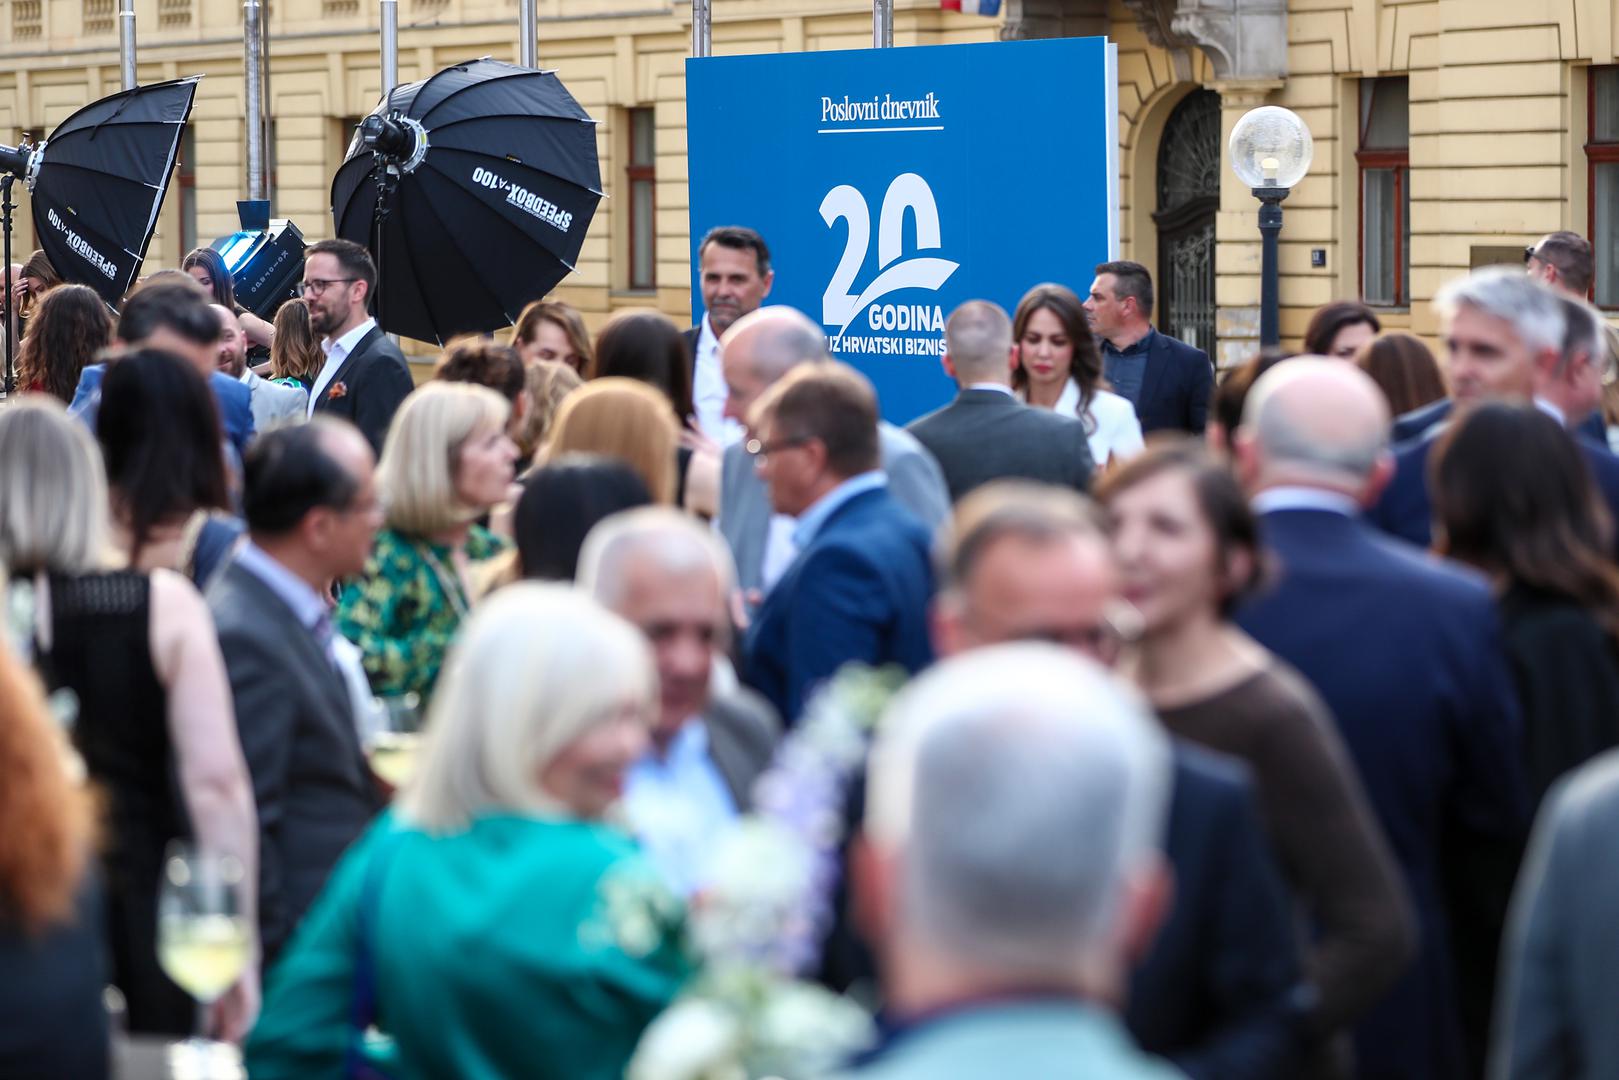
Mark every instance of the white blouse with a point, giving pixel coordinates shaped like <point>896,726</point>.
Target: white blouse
<point>1114,430</point>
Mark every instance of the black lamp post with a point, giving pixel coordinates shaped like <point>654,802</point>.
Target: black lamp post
<point>1271,151</point>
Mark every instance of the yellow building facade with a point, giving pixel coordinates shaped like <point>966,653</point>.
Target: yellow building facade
<point>1448,133</point>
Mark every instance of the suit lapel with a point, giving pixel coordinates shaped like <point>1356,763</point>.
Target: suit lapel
<point>1153,374</point>
<point>361,347</point>
<point>311,663</point>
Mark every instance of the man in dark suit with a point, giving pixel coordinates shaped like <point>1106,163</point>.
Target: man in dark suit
<point>1508,338</point>
<point>1407,652</point>
<point>175,317</point>
<point>1218,992</point>
<point>860,586</point>
<point>986,433</point>
<point>365,376</point>
<point>671,577</point>
<point>734,275</point>
<point>312,513</point>
<point>1168,381</point>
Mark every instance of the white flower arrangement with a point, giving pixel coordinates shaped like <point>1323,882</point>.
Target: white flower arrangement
<point>758,925</point>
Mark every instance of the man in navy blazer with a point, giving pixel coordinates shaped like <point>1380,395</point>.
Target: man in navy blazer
<point>1168,381</point>
<point>174,317</point>
<point>1406,650</point>
<point>860,586</point>
<point>1509,338</point>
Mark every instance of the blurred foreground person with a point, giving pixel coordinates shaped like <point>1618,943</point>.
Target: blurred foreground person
<point>562,502</point>
<point>153,720</point>
<point>52,951</point>
<point>447,463</point>
<point>492,925</point>
<point>625,419</point>
<point>1006,939</point>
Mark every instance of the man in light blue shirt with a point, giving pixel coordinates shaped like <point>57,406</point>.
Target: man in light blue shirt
<point>671,577</point>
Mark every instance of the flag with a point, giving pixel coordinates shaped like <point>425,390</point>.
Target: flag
<point>972,7</point>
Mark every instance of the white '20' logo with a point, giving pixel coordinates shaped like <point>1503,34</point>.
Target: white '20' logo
<point>908,192</point>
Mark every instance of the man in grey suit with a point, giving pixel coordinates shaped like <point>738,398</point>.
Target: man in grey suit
<point>310,500</point>
<point>671,577</point>
<point>272,403</point>
<point>987,433</point>
<point>1554,1017</point>
<point>759,349</point>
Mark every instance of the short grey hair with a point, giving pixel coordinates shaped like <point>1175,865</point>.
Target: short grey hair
<point>1511,295</point>
<point>978,340</point>
<point>53,490</point>
<point>533,668</point>
<point>1585,333</point>
<point>1078,773</point>
<point>674,542</point>
<point>784,339</point>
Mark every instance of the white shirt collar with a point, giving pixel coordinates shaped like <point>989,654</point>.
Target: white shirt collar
<point>246,377</point>
<point>1001,388</point>
<point>345,344</point>
<point>1304,498</point>
<point>706,338</point>
<point>1551,410</point>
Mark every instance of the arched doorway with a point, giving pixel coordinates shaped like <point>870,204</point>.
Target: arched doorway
<point>1188,196</point>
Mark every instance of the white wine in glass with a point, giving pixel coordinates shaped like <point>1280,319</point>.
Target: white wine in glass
<point>391,748</point>
<point>204,941</point>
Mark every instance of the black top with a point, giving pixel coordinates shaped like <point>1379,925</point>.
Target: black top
<point>101,651</point>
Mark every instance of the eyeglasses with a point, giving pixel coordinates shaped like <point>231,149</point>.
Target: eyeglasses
<point>760,450</point>
<point>320,285</point>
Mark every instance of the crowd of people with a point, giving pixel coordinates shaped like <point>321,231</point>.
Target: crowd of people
<point>1254,727</point>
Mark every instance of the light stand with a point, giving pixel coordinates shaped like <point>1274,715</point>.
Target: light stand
<point>398,144</point>
<point>6,207</point>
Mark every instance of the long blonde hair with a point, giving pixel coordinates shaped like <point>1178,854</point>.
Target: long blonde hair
<point>622,418</point>
<point>535,666</point>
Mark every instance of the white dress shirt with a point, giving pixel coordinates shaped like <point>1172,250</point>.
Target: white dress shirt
<point>1304,498</point>
<point>709,391</point>
<point>336,352</point>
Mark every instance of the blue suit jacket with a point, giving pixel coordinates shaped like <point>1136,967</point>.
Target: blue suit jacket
<point>1219,992</point>
<point>1407,652</point>
<point>1405,509</point>
<point>1175,387</point>
<point>859,591</point>
<point>233,397</point>
<point>1419,422</point>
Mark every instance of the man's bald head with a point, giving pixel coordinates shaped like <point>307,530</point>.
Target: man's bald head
<point>1314,422</point>
<point>761,347</point>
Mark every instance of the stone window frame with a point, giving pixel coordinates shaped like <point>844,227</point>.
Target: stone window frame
<point>1397,161</point>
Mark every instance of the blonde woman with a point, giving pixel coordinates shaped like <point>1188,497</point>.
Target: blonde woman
<point>546,384</point>
<point>447,462</point>
<point>506,930</point>
<point>625,419</point>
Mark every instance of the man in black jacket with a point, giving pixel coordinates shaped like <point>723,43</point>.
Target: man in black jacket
<point>1168,381</point>
<point>365,376</point>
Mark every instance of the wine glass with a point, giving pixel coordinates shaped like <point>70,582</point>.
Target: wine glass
<point>391,745</point>
<point>204,939</point>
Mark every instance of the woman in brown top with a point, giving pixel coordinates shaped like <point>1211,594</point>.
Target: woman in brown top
<point>1188,551</point>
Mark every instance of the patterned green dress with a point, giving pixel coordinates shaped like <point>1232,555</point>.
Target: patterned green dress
<point>404,610</point>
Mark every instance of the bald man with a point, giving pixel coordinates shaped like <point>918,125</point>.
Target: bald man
<point>1407,651</point>
<point>757,350</point>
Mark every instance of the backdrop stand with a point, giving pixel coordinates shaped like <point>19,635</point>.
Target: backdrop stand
<point>387,179</point>
<point>6,207</point>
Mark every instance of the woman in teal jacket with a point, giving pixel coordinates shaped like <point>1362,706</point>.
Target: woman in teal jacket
<point>492,925</point>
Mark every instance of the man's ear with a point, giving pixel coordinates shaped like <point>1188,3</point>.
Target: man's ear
<point>949,366</point>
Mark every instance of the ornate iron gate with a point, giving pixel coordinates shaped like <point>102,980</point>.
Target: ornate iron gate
<point>1188,196</point>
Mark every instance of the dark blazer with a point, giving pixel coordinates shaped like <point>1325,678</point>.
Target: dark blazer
<point>859,591</point>
<point>1175,387</point>
<point>1405,509</point>
<point>375,379</point>
<point>1418,422</point>
<point>310,779</point>
<point>1219,993</point>
<point>742,734</point>
<point>692,336</point>
<point>986,435</point>
<point>232,396</point>
<point>1406,651</point>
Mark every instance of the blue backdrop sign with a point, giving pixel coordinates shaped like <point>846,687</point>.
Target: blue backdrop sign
<point>894,184</point>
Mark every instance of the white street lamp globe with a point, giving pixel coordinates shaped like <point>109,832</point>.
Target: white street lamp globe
<point>1271,147</point>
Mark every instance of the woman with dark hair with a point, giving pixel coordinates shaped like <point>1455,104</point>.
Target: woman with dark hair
<point>160,438</point>
<point>562,501</point>
<point>1059,367</point>
<point>1404,369</point>
<point>207,268</point>
<point>551,330</point>
<point>295,353</point>
<point>1231,398</point>
<point>646,346</point>
<point>1338,330</point>
<point>1513,497</point>
<point>70,327</point>
<point>1188,550</point>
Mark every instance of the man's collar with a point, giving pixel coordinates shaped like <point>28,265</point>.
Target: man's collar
<point>994,387</point>
<point>815,517</point>
<point>706,337</point>
<point>1551,410</point>
<point>1293,497</point>
<point>1141,344</point>
<point>350,339</point>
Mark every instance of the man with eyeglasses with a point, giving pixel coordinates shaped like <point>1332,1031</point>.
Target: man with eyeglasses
<point>365,376</point>
<point>1219,992</point>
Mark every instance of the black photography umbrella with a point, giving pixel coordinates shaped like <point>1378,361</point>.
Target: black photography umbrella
<point>97,184</point>
<point>473,191</point>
